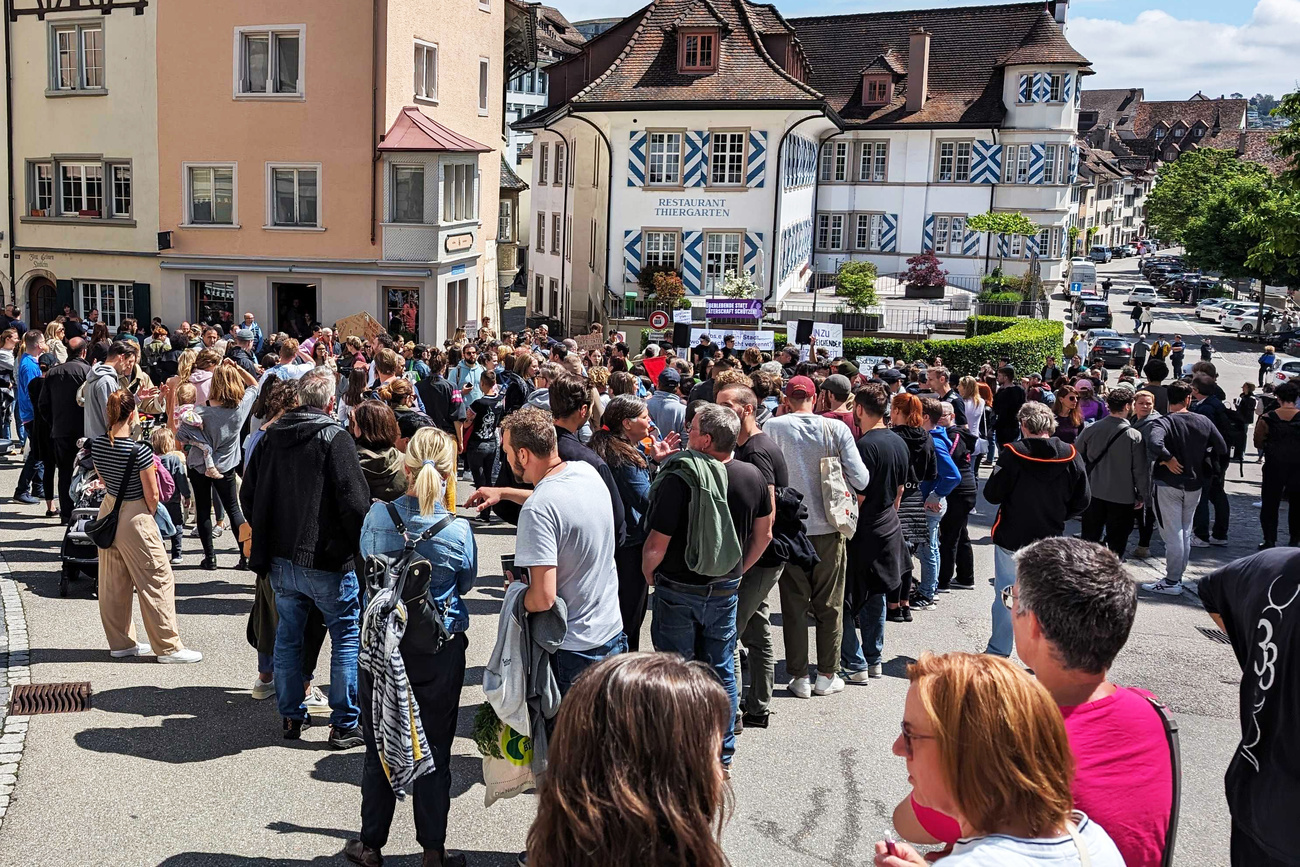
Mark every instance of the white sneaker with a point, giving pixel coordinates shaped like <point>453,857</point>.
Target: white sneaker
<point>859,676</point>
<point>263,688</point>
<point>138,650</point>
<point>178,560</point>
<point>1198,542</point>
<point>877,670</point>
<point>800,687</point>
<point>828,685</point>
<point>316,701</point>
<point>1164,588</point>
<point>182,656</point>
<point>217,530</point>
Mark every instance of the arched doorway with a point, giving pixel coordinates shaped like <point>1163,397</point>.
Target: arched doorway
<point>43,300</point>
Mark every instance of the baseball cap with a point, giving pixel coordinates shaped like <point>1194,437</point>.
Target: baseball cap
<point>1084,383</point>
<point>671,375</point>
<point>800,387</point>
<point>244,334</point>
<point>891,375</point>
<point>838,385</point>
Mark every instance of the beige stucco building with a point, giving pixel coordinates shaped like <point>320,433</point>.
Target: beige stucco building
<point>85,157</point>
<point>327,158</point>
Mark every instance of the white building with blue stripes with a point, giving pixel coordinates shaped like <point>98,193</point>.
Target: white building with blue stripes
<point>711,136</point>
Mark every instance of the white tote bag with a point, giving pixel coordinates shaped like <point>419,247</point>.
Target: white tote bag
<point>840,501</point>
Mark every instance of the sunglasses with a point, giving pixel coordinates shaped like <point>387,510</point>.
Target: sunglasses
<point>908,737</point>
<point>1009,597</point>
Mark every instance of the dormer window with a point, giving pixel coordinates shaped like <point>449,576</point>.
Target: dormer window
<point>1198,132</point>
<point>877,90</point>
<point>1159,134</point>
<point>698,50</point>
<point>1178,133</point>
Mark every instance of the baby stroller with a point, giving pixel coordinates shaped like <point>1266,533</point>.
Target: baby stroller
<point>78,553</point>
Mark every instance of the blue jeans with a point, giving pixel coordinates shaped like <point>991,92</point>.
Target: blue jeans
<point>856,655</point>
<point>32,477</point>
<point>685,623</point>
<point>929,553</point>
<point>568,664</point>
<point>1003,640</point>
<point>337,596</point>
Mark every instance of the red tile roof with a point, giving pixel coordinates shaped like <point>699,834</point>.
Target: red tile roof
<point>967,44</point>
<point>566,39</point>
<point>1226,113</point>
<point>412,131</point>
<point>1256,147</point>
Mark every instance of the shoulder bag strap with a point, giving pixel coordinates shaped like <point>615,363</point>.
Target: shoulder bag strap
<point>1089,465</point>
<point>396,517</point>
<point>126,476</point>
<point>1085,860</point>
<point>1176,772</point>
<point>436,528</point>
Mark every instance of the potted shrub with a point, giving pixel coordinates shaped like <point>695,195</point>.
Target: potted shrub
<point>924,278</point>
<point>855,282</point>
<point>669,291</point>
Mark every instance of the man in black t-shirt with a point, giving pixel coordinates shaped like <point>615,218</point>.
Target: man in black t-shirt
<point>442,402</point>
<point>753,620</point>
<point>695,615</point>
<point>1256,601</point>
<point>1007,401</point>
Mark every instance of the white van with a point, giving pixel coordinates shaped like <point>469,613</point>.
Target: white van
<point>1083,276</point>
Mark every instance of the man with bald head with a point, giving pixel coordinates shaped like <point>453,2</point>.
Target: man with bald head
<point>66,418</point>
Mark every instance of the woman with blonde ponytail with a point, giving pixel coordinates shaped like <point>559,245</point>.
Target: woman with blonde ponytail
<point>436,677</point>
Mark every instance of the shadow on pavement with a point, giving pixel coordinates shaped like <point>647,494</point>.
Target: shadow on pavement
<point>466,771</point>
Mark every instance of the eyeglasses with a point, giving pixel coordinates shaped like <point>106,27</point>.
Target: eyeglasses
<point>1009,597</point>
<point>908,737</point>
<point>1069,397</point>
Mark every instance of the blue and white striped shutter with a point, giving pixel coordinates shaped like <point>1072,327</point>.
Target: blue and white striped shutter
<point>889,233</point>
<point>1078,92</point>
<point>986,162</point>
<point>970,245</point>
<point>692,242</point>
<point>1004,246</point>
<point>1031,246</point>
<point>1074,164</point>
<point>1065,87</point>
<point>1042,87</point>
<point>756,171</point>
<point>636,158</point>
<point>753,246</point>
<point>632,255</point>
<point>1037,152</point>
<point>927,235</point>
<point>693,173</point>
<point>1026,88</point>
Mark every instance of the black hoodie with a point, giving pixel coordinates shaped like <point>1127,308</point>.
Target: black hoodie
<point>1039,484</point>
<point>304,493</point>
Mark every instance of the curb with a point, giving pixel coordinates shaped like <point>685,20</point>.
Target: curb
<point>14,669</point>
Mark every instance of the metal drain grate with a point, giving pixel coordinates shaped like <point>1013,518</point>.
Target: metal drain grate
<point>28,699</point>
<point>1215,634</point>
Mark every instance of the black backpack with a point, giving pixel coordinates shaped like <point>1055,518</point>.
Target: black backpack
<point>409,575</point>
<point>1282,445</point>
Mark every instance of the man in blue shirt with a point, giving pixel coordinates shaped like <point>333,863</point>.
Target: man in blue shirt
<point>465,375</point>
<point>250,322</point>
<point>33,473</point>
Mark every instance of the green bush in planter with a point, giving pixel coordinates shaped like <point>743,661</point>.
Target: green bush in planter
<point>1001,296</point>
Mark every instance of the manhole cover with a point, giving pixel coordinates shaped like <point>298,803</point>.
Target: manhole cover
<point>1215,634</point>
<point>28,699</point>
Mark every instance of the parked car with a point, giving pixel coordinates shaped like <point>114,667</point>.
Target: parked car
<point>1095,314</point>
<point>1216,314</point>
<point>1142,295</point>
<point>1099,253</point>
<point>1130,250</point>
<point>1111,351</point>
<point>1285,369</point>
<point>1083,273</point>
<point>1247,321</point>
<point>1203,308</point>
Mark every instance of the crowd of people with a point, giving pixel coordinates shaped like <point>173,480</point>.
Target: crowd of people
<point>709,477</point>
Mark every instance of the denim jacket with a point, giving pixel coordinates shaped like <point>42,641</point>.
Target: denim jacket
<point>452,553</point>
<point>634,487</point>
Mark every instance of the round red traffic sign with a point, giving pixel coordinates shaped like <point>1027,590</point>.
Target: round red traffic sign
<point>659,320</point>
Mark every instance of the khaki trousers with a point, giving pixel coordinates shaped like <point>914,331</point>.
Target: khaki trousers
<point>137,561</point>
<point>821,594</point>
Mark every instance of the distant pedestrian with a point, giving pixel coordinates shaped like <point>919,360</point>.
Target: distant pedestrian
<point>1147,320</point>
<point>1177,351</point>
<point>1207,349</point>
<point>1277,436</point>
<point>1267,362</point>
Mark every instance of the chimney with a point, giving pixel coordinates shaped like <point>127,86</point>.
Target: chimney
<point>918,68</point>
<point>1059,8</point>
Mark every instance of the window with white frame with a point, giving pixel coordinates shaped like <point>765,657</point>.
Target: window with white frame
<point>1178,133</point>
<point>664,164</point>
<point>830,231</point>
<point>210,195</point>
<point>660,250</point>
<point>269,61</point>
<point>954,162</point>
<point>541,233</point>
<point>1021,164</point>
<point>294,196</point>
<point>114,301</point>
<point>484,68</point>
<point>555,233</point>
<point>40,189</point>
<point>1044,242</point>
<point>1160,133</point>
<point>873,163</point>
<point>721,254</point>
<point>458,199</point>
<point>408,194</point>
<point>1054,163</point>
<point>949,234</point>
<point>1017,246</point>
<point>543,163</point>
<point>867,231</point>
<point>726,158</point>
<point>1056,85</point>
<point>426,70</point>
<point>505,221</point>
<point>78,57</point>
<point>835,161</point>
<point>81,189</point>
<point>121,199</point>
<point>560,152</point>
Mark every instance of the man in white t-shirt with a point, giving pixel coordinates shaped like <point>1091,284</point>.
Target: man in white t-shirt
<point>291,366</point>
<point>565,540</point>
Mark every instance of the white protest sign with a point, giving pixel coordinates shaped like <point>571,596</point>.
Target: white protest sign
<point>830,336</point>
<point>682,316</point>
<point>763,340</point>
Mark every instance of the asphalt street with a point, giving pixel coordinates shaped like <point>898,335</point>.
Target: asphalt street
<point>178,766</point>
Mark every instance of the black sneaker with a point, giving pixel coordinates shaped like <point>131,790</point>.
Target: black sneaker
<point>738,727</point>
<point>962,585</point>
<point>293,727</point>
<point>755,721</point>
<point>907,614</point>
<point>345,739</point>
<point>895,615</point>
<point>920,602</point>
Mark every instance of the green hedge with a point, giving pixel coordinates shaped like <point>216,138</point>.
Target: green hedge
<point>990,324</point>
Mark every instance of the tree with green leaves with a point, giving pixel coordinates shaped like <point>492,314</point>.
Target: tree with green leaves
<point>1277,220</point>
<point>996,223</point>
<point>1286,144</point>
<point>1221,237</point>
<point>855,282</point>
<point>1184,185</point>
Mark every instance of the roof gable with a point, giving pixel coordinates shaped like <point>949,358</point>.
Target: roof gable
<point>413,131</point>
<point>701,13</point>
<point>1043,43</point>
<point>888,62</point>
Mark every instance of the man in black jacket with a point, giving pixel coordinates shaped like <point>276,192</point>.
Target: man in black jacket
<point>441,400</point>
<point>1039,484</point>
<point>65,416</point>
<point>937,381</point>
<point>305,499</point>
<point>1007,401</point>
